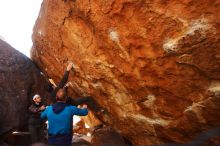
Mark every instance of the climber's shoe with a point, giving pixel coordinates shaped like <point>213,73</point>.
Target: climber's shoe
<point>100,112</point>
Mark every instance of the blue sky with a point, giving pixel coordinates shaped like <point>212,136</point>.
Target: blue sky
<point>17,22</point>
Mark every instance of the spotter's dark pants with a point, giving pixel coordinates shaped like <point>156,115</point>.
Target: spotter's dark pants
<point>60,140</point>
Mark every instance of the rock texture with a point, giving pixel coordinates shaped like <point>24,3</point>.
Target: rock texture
<point>19,80</point>
<point>153,65</point>
<point>107,137</point>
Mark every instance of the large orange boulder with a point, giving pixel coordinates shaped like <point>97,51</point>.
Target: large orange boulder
<point>153,65</point>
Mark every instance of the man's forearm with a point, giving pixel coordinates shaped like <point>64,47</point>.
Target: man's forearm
<point>82,112</point>
<point>63,80</point>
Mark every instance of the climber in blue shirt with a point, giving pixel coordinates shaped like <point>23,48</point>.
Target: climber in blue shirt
<point>59,117</point>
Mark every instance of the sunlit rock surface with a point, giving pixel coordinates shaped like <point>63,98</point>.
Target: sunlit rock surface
<point>153,65</point>
<point>20,79</point>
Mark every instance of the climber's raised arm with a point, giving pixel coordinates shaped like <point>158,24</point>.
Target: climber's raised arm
<point>62,82</point>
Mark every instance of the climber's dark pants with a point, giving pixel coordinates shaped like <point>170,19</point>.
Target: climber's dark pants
<point>84,100</point>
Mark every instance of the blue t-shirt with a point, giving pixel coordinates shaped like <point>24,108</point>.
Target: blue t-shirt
<point>61,123</point>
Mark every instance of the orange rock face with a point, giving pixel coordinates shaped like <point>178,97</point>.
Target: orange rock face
<point>153,65</point>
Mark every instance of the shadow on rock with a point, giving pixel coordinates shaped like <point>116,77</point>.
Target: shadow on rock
<point>211,137</point>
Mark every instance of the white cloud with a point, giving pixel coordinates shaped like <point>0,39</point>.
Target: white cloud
<point>17,21</point>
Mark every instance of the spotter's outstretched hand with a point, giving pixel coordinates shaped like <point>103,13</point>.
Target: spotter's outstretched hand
<point>84,106</point>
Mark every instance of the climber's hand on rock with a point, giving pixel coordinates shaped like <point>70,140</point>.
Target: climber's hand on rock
<point>69,66</point>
